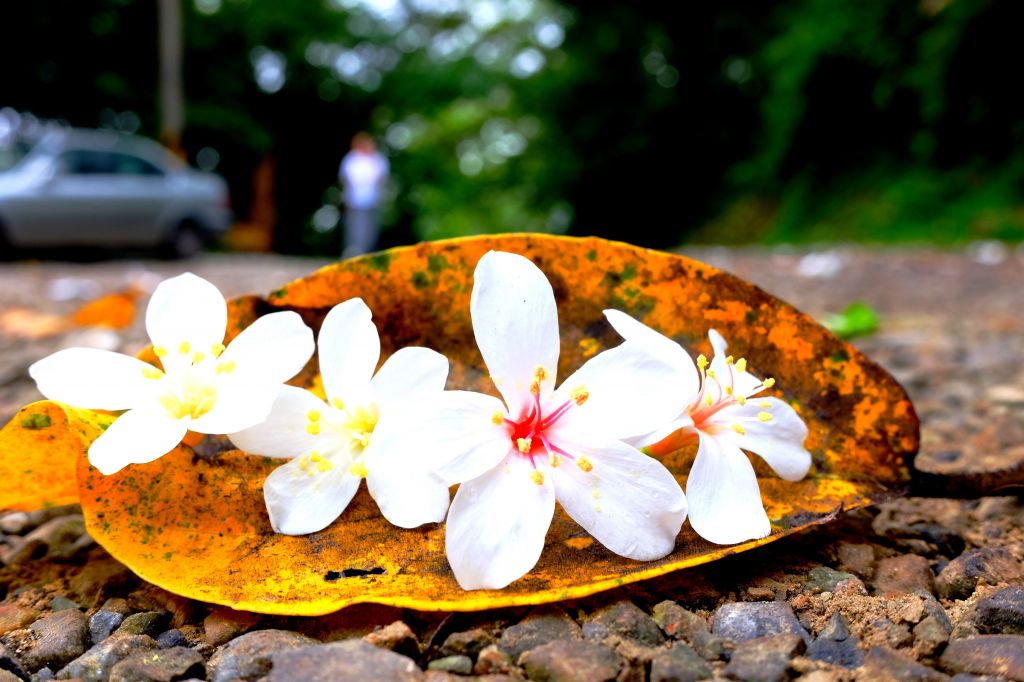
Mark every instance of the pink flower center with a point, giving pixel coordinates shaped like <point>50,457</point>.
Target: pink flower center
<point>530,433</point>
<point>718,393</point>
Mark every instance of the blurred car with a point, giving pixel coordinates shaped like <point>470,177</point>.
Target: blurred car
<point>98,188</point>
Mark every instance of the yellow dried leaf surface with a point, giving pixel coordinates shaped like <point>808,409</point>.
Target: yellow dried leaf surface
<point>199,528</point>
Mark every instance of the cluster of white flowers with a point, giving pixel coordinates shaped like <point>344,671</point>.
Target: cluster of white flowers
<point>399,428</point>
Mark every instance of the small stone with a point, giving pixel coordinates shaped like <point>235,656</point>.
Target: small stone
<point>1001,655</point>
<point>467,643</point>
<point>851,587</point>
<point>627,620</point>
<point>103,623</point>
<point>59,538</point>
<point>678,623</point>
<point>224,624</point>
<point>930,635</point>
<point>10,664</point>
<point>991,564</point>
<point>857,558</point>
<point>397,637</point>
<point>248,657</point>
<point>96,663</point>
<point>902,574</point>
<point>166,665</point>
<point>60,603</point>
<point>493,661</point>
<point>58,639</point>
<point>348,661</point>
<point>836,645</point>
<point>1001,612</point>
<point>885,665</point>
<point>825,579</point>
<point>764,659</point>
<point>117,605</point>
<point>100,577</point>
<point>740,621</point>
<point>42,675</point>
<point>460,665</point>
<point>14,617</point>
<point>172,638</point>
<point>539,627</point>
<point>7,676</point>
<point>569,660</point>
<point>149,623</point>
<point>14,523</point>
<point>679,664</point>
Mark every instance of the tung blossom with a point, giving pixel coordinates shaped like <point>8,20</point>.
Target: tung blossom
<point>334,444</point>
<point>724,412</point>
<point>203,386</point>
<point>515,457</point>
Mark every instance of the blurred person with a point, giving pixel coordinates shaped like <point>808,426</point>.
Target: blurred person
<point>363,173</point>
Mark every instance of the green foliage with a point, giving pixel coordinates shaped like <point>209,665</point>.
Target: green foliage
<point>857,319</point>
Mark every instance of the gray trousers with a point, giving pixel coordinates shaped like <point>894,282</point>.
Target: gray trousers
<point>361,231</point>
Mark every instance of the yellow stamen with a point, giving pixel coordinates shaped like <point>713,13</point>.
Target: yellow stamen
<point>184,348</point>
<point>595,493</point>
<point>198,399</point>
<point>152,373</point>
<point>554,460</point>
<point>313,416</point>
<point>324,465</point>
<point>524,445</point>
<point>338,403</point>
<point>497,419</point>
<point>764,416</point>
<point>709,401</point>
<point>702,362</point>
<point>357,469</point>
<point>226,367</point>
<point>711,373</point>
<point>540,374</point>
<point>739,429</point>
<point>765,404</point>
<point>314,456</point>
<point>197,357</point>
<point>728,390</point>
<point>580,394</point>
<point>768,383</point>
<point>584,464</point>
<point>216,349</point>
<point>741,365</point>
<point>729,360</point>
<point>159,351</point>
<point>313,429</point>
<point>304,464</point>
<point>537,477</point>
<point>741,400</point>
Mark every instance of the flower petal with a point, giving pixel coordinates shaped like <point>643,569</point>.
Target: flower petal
<point>349,349</point>
<point>136,437</point>
<point>497,524</point>
<point>410,375</point>
<point>722,492</point>
<point>238,406</point>
<point>516,325</point>
<point>683,421</point>
<point>628,501</point>
<point>271,350</point>
<point>657,344</point>
<point>186,309</point>
<point>779,440</point>
<point>303,500</point>
<point>743,383</point>
<point>93,379</point>
<point>283,433</point>
<point>406,499</point>
<point>630,391</point>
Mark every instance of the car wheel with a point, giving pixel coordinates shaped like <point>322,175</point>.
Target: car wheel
<point>186,242</point>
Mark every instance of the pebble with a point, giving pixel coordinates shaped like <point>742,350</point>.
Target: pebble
<point>627,620</point>
<point>885,665</point>
<point>96,663</point>
<point>835,644</point>
<point>1001,655</point>
<point>348,661</point>
<point>14,617</point>
<point>167,665</point>
<point>825,579</point>
<point>930,635</point>
<point>397,637</point>
<point>493,661</point>
<point>679,664</point>
<point>149,623</point>
<point>902,574</point>
<point>224,624</point>
<point>60,638</point>
<point>461,665</point>
<point>1001,612</point>
<point>466,643</point>
<point>103,623</point>
<point>961,575</point>
<point>249,656</point>
<point>569,660</point>
<point>740,621</point>
<point>172,638</point>
<point>60,603</point>
<point>59,538</point>
<point>540,627</point>
<point>857,558</point>
<point>10,663</point>
<point>15,523</point>
<point>678,623</point>
<point>7,676</point>
<point>764,659</point>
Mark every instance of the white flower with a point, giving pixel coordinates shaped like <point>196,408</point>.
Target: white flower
<point>335,444</point>
<point>204,387</point>
<point>514,459</point>
<point>724,414</point>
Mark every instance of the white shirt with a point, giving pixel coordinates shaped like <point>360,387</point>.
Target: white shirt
<point>363,177</point>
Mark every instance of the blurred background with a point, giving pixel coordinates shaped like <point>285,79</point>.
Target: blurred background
<point>751,122</point>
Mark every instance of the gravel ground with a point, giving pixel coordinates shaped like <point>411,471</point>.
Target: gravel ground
<point>917,589</point>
